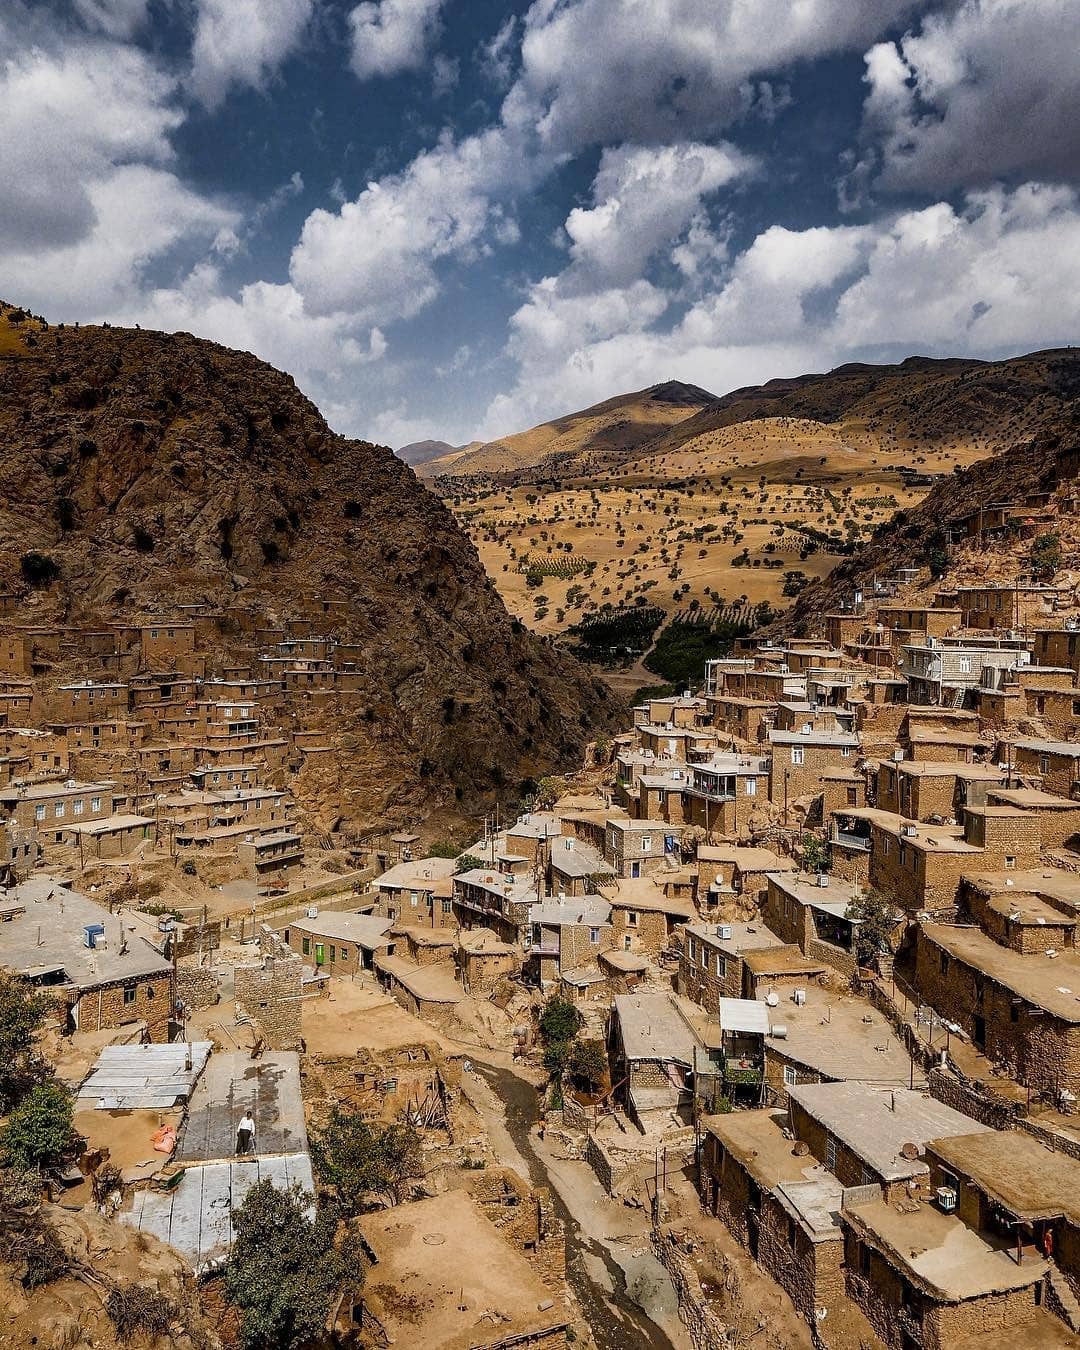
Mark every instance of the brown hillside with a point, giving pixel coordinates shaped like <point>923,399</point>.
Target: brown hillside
<point>160,470</point>
<point>618,424</point>
<point>908,539</point>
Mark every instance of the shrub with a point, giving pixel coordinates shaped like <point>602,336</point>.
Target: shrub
<point>875,926</point>
<point>38,569</point>
<point>143,539</point>
<point>560,1020</point>
<point>467,862</point>
<point>588,1064</point>
<point>351,510</point>
<point>443,848</point>
<point>357,1159</point>
<point>135,1308</point>
<point>23,1009</point>
<point>38,1131</point>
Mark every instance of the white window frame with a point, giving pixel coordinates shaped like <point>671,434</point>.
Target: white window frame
<point>796,754</point>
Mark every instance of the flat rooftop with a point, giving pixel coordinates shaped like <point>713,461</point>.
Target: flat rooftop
<point>1046,982</point>
<point>875,1123</point>
<point>1026,1178</point>
<point>840,1037</point>
<point>756,1140</point>
<point>444,1278</point>
<point>653,1027</point>
<point>948,1260</point>
<point>233,1083</point>
<point>48,936</point>
<point>365,930</point>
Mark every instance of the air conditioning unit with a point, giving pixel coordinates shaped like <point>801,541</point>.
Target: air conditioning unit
<point>798,997</point>
<point>723,932</point>
<point>823,879</point>
<point>898,756</point>
<point>908,831</point>
<point>312,912</point>
<point>946,1199</point>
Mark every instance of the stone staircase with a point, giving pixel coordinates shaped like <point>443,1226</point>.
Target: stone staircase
<point>1061,1299</point>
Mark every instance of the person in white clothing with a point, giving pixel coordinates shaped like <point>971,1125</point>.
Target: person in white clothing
<point>245,1135</point>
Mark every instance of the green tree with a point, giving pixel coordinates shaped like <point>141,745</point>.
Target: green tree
<point>560,1021</point>
<point>813,853</point>
<point>468,862</point>
<point>588,1064</point>
<point>443,848</point>
<point>1045,556</point>
<point>357,1159</point>
<point>284,1271</point>
<point>23,1009</point>
<point>38,1131</point>
<point>875,926</point>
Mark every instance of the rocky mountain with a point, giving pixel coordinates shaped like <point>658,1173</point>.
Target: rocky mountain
<point>619,423</point>
<point>920,537</point>
<point>419,452</point>
<point>152,470</point>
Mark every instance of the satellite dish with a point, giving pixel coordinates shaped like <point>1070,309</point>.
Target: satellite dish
<point>909,1151</point>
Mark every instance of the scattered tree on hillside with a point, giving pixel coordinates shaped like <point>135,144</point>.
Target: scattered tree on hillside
<point>23,1009</point>
<point>356,1159</point>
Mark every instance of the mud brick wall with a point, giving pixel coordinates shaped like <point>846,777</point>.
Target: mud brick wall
<point>271,995</point>
<point>729,1189</point>
<point>951,1322</point>
<point>996,1112</point>
<point>698,980</point>
<point>706,1330</point>
<point>649,934</point>
<point>811,1273</point>
<point>107,1008</point>
<point>1042,1052</point>
<point>197,986</point>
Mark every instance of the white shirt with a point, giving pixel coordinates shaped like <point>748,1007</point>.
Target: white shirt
<point>247,1124</point>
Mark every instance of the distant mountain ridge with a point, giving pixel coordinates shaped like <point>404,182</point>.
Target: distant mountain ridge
<point>622,422</point>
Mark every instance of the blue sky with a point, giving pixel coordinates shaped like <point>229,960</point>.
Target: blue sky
<point>456,219</point>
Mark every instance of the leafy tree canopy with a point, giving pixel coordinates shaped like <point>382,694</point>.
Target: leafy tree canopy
<point>357,1159</point>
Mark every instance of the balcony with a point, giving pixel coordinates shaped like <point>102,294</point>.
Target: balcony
<point>846,839</point>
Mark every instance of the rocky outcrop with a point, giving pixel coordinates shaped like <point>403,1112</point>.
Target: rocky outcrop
<point>157,470</point>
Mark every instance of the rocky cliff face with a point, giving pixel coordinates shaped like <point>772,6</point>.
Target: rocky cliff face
<point>160,470</point>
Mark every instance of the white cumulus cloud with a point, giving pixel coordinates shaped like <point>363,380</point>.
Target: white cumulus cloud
<point>389,36</point>
<point>243,42</point>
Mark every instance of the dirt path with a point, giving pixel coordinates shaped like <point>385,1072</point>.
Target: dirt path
<point>623,1291</point>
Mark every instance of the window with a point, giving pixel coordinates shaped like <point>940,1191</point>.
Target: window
<point>751,787</point>
<point>447,907</point>
<point>333,953</point>
<point>646,843</point>
<point>721,966</point>
<point>791,1075</point>
<point>1044,763</point>
<point>95,803</point>
<point>306,946</point>
<point>59,809</point>
<point>852,796</point>
<point>845,751</point>
<point>77,806</point>
<point>943,962</point>
<point>796,754</point>
<point>129,993</point>
<point>1014,1012</point>
<point>626,942</point>
<point>39,811</point>
<point>153,633</point>
<point>594,936</point>
<point>965,665</point>
<point>631,918</point>
<point>1010,861</point>
<point>414,898</point>
<point>791,1232</point>
<point>885,845</point>
<point>830,1152</point>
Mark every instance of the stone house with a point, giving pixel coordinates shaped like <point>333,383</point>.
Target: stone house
<point>1009,1004</point>
<point>730,876</point>
<point>103,975</point>
<point>651,1044</point>
<point>862,1133</point>
<point>800,761</point>
<point>1054,763</point>
<point>567,934</point>
<point>271,855</point>
<point>781,1206</point>
<point>920,789</point>
<point>711,960</point>
<point>418,892</point>
<point>339,943</point>
<point>923,1278</point>
<point>644,919</point>
<point>812,912</point>
<point>483,961</point>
